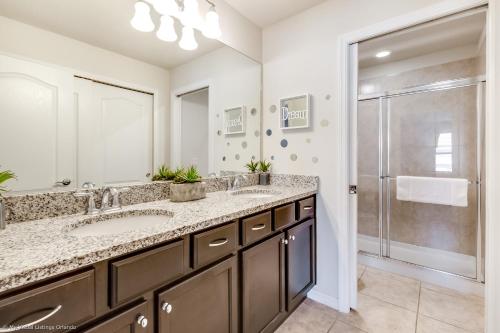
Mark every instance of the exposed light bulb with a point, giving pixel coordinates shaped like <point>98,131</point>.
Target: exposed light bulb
<point>166,32</point>
<point>142,19</point>
<point>383,54</point>
<point>212,26</point>
<point>190,16</point>
<point>188,42</point>
<point>166,7</point>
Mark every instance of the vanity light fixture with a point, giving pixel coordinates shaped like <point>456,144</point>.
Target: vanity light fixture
<point>383,54</point>
<point>187,12</point>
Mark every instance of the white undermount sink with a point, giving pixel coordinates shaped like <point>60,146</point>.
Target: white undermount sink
<point>255,194</point>
<point>120,222</point>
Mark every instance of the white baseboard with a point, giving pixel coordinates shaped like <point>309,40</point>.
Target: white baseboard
<point>323,298</point>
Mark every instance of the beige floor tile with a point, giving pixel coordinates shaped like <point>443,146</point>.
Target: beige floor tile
<point>311,317</point>
<point>376,316</point>
<point>340,327</point>
<point>446,291</point>
<point>361,269</point>
<point>466,312</point>
<point>429,325</point>
<point>392,288</point>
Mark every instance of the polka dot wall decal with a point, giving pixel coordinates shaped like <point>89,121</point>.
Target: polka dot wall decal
<point>272,108</point>
<point>217,115</point>
<point>324,123</point>
<point>272,157</point>
<point>237,156</point>
<point>269,132</point>
<point>257,133</point>
<point>219,132</point>
<point>293,157</point>
<point>224,158</point>
<point>308,140</point>
<point>228,144</point>
<point>244,144</point>
<point>253,157</point>
<point>284,143</point>
<point>328,97</point>
<point>315,160</point>
<point>253,112</point>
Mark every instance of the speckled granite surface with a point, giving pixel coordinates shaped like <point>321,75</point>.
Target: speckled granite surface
<point>35,250</point>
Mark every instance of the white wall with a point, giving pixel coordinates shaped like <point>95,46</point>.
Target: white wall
<point>235,80</point>
<point>194,130</point>
<point>29,42</point>
<point>300,56</point>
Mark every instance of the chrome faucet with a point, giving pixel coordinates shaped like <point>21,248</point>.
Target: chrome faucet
<point>236,184</point>
<point>115,199</point>
<point>88,191</point>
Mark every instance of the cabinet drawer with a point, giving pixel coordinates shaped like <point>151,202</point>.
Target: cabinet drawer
<point>67,302</point>
<point>284,216</point>
<point>214,244</point>
<point>306,208</point>
<point>255,227</point>
<point>133,320</point>
<point>162,265</point>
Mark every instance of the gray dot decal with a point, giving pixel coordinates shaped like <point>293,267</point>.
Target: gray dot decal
<point>217,115</point>
<point>253,157</point>
<point>244,144</point>
<point>228,144</point>
<point>237,156</point>
<point>293,157</point>
<point>315,160</point>
<point>257,133</point>
<point>224,158</point>
<point>272,108</point>
<point>253,112</point>
<point>269,132</point>
<point>328,97</point>
<point>272,157</point>
<point>219,132</point>
<point>324,123</point>
<point>308,140</point>
<point>284,143</point>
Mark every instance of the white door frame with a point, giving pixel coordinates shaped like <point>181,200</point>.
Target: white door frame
<point>175,124</point>
<point>347,237</point>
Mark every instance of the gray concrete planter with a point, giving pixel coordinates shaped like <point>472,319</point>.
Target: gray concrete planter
<point>265,178</point>
<point>187,191</point>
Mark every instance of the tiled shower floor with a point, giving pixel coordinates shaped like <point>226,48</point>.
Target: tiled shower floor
<point>390,303</point>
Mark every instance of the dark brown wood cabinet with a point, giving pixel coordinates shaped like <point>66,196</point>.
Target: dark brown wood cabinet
<point>243,276</point>
<point>301,262</point>
<point>205,303</point>
<point>263,285</point>
<point>133,320</point>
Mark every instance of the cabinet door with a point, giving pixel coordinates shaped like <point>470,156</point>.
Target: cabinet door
<point>133,320</point>
<point>263,285</point>
<point>204,303</point>
<point>301,262</point>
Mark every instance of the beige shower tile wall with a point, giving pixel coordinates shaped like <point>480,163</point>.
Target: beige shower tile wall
<point>416,123</point>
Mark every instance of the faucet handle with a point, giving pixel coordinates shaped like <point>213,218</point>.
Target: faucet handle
<point>91,208</point>
<point>115,192</point>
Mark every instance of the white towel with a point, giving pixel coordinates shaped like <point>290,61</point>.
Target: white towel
<point>433,190</point>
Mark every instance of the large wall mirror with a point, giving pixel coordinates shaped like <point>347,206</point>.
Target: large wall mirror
<point>67,119</point>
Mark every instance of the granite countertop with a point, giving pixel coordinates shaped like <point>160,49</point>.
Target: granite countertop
<point>35,250</point>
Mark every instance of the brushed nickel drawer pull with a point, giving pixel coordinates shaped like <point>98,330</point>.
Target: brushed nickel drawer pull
<point>142,321</point>
<point>308,207</point>
<point>218,242</point>
<point>38,321</point>
<point>258,227</point>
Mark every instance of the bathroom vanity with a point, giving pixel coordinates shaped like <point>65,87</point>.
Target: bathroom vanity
<point>228,263</point>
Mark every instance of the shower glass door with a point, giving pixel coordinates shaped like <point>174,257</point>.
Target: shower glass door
<point>433,134</point>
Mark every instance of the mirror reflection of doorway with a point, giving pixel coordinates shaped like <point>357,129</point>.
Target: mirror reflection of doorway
<point>194,130</point>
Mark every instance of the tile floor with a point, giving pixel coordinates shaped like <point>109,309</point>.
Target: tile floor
<point>390,303</point>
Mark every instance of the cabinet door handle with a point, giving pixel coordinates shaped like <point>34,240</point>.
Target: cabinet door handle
<point>284,241</point>
<point>218,242</point>
<point>38,321</point>
<point>258,227</point>
<point>166,307</point>
<point>308,207</point>
<point>291,237</point>
<point>142,321</point>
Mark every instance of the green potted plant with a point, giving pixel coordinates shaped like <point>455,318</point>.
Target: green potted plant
<point>4,177</point>
<point>187,186</point>
<point>265,169</point>
<point>252,166</point>
<point>164,173</point>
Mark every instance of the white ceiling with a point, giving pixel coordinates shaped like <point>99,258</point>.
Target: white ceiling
<point>429,38</point>
<point>103,23</point>
<point>267,12</point>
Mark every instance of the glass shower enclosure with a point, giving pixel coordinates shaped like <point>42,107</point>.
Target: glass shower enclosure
<point>434,130</point>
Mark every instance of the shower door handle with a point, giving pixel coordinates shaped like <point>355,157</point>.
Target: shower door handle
<point>353,189</point>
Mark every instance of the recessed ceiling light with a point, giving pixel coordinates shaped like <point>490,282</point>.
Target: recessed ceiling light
<point>383,54</point>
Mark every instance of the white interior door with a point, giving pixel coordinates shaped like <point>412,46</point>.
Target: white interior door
<point>115,134</point>
<point>36,124</point>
